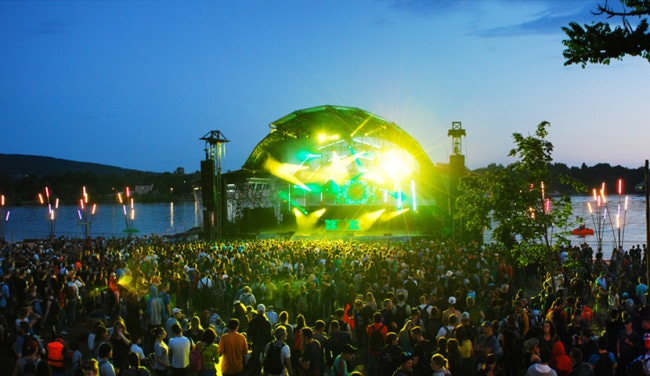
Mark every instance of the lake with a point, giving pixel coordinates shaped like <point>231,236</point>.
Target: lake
<point>631,222</point>
<point>31,222</point>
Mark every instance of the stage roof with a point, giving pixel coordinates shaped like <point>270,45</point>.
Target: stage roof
<point>303,126</point>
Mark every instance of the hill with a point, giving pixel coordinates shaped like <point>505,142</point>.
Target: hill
<point>21,165</point>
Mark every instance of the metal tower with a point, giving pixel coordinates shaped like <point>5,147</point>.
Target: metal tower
<point>211,183</point>
<point>456,133</point>
<point>456,170</point>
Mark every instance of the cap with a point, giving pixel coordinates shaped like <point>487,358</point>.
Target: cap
<point>464,316</point>
<point>261,308</point>
<point>405,357</point>
<point>349,349</point>
<point>487,324</point>
<point>452,300</point>
<point>176,310</point>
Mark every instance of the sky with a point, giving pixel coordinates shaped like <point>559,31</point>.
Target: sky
<point>136,84</point>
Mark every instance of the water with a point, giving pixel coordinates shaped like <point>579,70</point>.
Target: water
<point>631,222</point>
<point>31,222</point>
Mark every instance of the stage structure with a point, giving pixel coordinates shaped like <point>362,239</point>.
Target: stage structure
<point>456,171</point>
<point>337,170</point>
<point>211,184</point>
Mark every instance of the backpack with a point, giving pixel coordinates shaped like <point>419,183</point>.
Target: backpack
<point>376,341</point>
<point>157,306</point>
<point>400,314</point>
<point>450,333</point>
<point>604,366</point>
<point>335,366</point>
<point>273,360</point>
<point>29,366</point>
<point>196,364</point>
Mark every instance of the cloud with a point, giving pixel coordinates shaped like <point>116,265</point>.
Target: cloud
<point>48,28</point>
<point>546,17</point>
<point>549,21</point>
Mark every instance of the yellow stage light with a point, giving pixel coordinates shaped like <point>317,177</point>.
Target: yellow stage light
<point>391,215</point>
<point>366,221</point>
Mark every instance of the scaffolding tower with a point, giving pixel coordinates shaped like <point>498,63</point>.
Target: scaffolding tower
<point>211,183</point>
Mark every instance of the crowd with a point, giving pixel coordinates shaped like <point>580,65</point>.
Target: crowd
<point>318,307</point>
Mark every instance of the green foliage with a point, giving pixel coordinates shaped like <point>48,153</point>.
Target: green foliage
<point>598,43</point>
<point>514,202</point>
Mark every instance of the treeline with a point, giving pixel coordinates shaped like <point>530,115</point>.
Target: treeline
<point>22,178</point>
<point>67,187</point>
<point>594,177</point>
<point>590,177</point>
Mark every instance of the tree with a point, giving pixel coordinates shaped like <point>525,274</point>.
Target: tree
<point>514,202</point>
<point>598,43</point>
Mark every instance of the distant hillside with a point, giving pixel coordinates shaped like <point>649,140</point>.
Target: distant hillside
<point>18,164</point>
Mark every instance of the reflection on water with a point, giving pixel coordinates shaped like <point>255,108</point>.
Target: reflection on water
<point>630,230</point>
<point>31,222</point>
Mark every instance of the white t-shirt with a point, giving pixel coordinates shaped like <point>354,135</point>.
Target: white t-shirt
<point>179,349</point>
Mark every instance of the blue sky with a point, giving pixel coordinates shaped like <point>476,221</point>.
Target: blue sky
<point>135,84</point>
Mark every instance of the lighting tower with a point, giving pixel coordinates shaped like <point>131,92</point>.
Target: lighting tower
<point>456,165</point>
<point>211,183</point>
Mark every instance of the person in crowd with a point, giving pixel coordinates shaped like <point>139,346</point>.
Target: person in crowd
<point>336,340</point>
<point>91,368</point>
<point>29,358</point>
<point>175,318</point>
<point>580,367</point>
<point>195,330</point>
<point>135,368</point>
<point>487,343</point>
<point>209,353</point>
<point>603,362</point>
<point>548,336</point>
<point>628,343</point>
<point>422,351</point>
<point>450,311</point>
<point>104,355</point>
<point>311,362</point>
<point>259,335</point>
<point>490,367</point>
<point>405,367</point>
<point>439,365</point>
<point>560,361</point>
<point>277,348</point>
<point>161,351</point>
<point>120,340</point>
<point>179,351</point>
<point>376,334</point>
<point>454,357</point>
<point>389,356</point>
<point>233,349</point>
